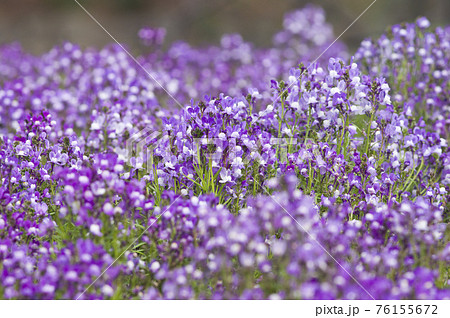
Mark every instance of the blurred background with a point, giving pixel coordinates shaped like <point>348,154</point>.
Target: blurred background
<point>40,24</point>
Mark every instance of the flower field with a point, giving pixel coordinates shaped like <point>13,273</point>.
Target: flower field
<point>229,171</point>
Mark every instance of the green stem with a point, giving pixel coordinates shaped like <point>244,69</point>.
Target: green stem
<point>310,178</point>
<point>369,127</point>
<point>408,182</point>
<point>307,124</point>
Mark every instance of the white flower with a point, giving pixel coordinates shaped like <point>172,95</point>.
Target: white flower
<point>333,74</point>
<point>95,229</point>
<point>187,151</point>
<point>295,105</point>
<point>246,259</point>
<point>48,289</point>
<point>312,100</point>
<point>107,290</point>
<point>83,179</point>
<point>334,91</point>
<point>287,131</point>
<point>234,134</point>
<point>237,173</point>
<point>155,266</point>
<point>108,208</point>
<point>237,162</point>
<point>356,80</point>
<point>169,165</point>
<point>423,23</point>
<point>71,275</point>
<point>421,225</point>
<point>225,176</point>
<point>279,247</point>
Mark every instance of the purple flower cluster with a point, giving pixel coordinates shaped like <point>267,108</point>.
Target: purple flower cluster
<point>45,272</point>
<point>265,252</point>
<point>415,59</point>
<point>278,179</point>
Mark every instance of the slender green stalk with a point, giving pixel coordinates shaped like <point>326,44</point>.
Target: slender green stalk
<point>408,182</point>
